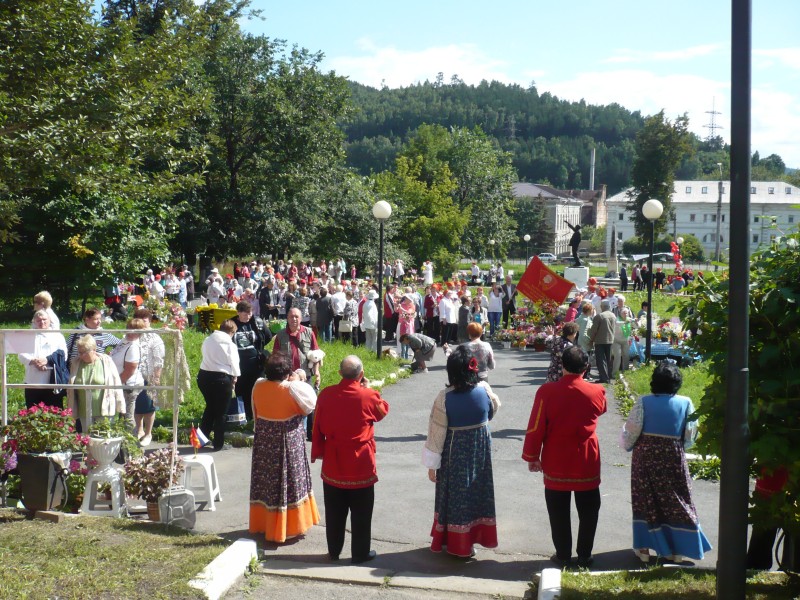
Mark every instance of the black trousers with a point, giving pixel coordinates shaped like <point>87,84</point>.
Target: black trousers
<point>507,312</point>
<point>46,397</point>
<point>217,390</point>
<point>359,503</point>
<point>558,509</point>
<point>432,328</point>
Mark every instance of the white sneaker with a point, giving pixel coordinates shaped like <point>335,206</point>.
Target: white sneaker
<point>642,555</point>
<point>146,440</point>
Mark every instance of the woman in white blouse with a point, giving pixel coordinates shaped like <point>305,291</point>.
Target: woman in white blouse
<point>37,367</point>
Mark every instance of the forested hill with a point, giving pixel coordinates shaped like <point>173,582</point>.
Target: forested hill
<point>550,139</point>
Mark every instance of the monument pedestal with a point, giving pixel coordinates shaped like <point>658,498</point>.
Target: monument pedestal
<point>579,276</point>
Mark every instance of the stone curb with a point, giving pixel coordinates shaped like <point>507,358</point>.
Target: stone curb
<point>385,577</point>
<point>222,573</point>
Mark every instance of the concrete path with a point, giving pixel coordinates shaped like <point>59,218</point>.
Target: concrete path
<point>404,496</point>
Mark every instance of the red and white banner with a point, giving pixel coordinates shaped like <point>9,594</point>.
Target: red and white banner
<point>538,282</point>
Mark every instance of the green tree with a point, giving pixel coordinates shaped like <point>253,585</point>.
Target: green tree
<point>596,237</point>
<point>774,382</point>
<point>99,116</point>
<point>660,147</point>
<point>531,218</point>
<point>272,136</point>
<point>429,221</point>
<point>481,175</point>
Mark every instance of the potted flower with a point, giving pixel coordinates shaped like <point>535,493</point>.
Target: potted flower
<point>149,476</point>
<point>540,341</point>
<point>43,439</point>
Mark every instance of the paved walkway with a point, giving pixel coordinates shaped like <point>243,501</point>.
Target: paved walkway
<point>404,496</point>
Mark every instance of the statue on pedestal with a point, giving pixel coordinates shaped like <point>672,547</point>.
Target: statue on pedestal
<point>574,242</point>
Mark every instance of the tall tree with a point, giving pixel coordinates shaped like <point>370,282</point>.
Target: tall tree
<point>99,116</point>
<point>660,147</point>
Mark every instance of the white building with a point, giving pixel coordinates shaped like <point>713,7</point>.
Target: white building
<point>560,206</point>
<point>695,204</point>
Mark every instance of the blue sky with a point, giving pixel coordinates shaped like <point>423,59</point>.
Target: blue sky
<point>643,55</point>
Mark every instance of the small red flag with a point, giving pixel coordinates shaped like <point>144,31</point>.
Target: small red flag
<point>539,282</point>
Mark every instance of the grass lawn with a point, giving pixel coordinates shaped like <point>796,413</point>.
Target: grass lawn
<point>98,557</point>
<point>671,584</point>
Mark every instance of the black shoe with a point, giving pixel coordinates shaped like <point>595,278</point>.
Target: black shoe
<point>560,562</point>
<point>333,557</point>
<point>370,555</point>
<point>585,562</point>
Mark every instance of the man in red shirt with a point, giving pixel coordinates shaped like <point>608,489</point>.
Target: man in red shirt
<point>562,443</point>
<point>344,438</point>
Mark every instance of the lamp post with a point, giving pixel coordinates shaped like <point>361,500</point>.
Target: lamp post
<point>652,211</point>
<point>527,239</point>
<point>491,245</point>
<point>381,210</point>
<point>719,215</point>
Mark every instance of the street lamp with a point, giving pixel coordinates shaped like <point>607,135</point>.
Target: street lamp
<point>652,211</point>
<point>527,239</point>
<point>491,245</point>
<point>381,210</point>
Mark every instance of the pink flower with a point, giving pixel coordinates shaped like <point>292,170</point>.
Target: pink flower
<point>33,410</point>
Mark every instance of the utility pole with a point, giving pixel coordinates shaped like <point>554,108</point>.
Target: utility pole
<point>719,214</point>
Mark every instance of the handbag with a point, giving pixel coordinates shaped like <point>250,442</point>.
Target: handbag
<point>345,326</point>
<point>236,414</point>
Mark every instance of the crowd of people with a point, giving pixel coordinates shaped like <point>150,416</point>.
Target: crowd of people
<point>282,396</point>
<point>97,358</point>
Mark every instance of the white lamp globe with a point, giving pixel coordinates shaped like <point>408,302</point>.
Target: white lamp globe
<point>652,209</point>
<point>679,240</point>
<point>382,210</point>
<point>491,242</point>
<point>526,237</point>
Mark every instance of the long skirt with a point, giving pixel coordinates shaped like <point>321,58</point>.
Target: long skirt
<point>282,503</point>
<point>464,509</point>
<point>664,516</point>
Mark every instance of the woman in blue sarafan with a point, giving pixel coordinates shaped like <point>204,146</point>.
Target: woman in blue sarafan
<point>458,454</point>
<point>658,430</point>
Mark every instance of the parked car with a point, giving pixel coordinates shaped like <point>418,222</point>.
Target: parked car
<point>546,257</point>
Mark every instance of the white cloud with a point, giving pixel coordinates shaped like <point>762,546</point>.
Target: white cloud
<point>784,57</point>
<point>395,67</point>
<point>628,55</point>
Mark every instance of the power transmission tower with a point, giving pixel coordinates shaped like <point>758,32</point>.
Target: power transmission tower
<point>712,127</point>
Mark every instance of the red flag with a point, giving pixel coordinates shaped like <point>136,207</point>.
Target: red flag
<point>539,282</point>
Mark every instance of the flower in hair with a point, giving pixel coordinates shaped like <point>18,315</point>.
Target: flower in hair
<point>473,365</point>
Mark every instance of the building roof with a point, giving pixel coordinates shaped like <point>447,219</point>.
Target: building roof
<point>534,190</point>
<point>763,192</point>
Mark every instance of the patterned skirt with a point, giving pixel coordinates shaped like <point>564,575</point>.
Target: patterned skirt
<point>464,509</point>
<point>282,503</point>
<point>664,516</point>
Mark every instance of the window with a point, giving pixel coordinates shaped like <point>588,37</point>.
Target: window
<point>770,190</point>
<point>619,236</point>
<point>621,216</point>
<point>755,219</point>
<point>723,218</point>
<point>691,218</point>
<point>720,239</point>
<point>705,218</point>
<point>704,190</point>
<point>713,218</point>
<point>723,189</point>
<point>755,238</point>
<point>688,189</point>
<point>788,190</point>
<point>705,238</point>
<point>791,218</point>
<point>752,190</point>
